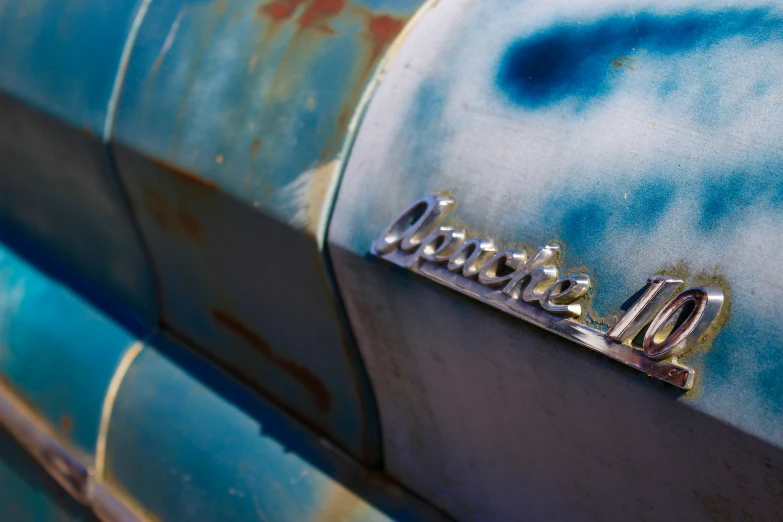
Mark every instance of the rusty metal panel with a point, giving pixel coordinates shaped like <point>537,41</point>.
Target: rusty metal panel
<point>646,138</point>
<point>189,443</point>
<point>230,136</point>
<point>256,97</point>
<point>60,200</point>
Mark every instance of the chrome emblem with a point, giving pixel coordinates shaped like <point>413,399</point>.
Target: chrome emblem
<point>530,288</point>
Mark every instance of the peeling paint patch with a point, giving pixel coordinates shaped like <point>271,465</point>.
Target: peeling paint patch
<point>307,194</point>
<point>383,29</point>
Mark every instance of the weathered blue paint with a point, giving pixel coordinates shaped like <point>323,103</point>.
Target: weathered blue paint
<point>268,88</point>
<point>668,161</point>
<point>187,442</point>
<point>59,194</point>
<point>50,59</point>
<point>580,60</point>
<point>708,199</point>
<point>56,350</point>
<point>29,494</point>
<point>229,136</point>
<point>729,194</point>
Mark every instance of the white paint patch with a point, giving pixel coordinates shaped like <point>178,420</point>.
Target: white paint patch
<point>308,194</point>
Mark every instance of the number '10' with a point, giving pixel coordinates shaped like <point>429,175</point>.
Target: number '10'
<point>679,324</point>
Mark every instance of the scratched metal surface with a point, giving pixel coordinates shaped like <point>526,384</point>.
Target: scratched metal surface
<point>645,136</point>
<point>230,134</point>
<point>56,350</point>
<point>57,190</point>
<point>28,494</point>
<point>189,443</point>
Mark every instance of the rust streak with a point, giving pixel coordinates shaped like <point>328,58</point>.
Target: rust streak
<point>296,371</point>
<point>383,29</point>
<point>183,173</point>
<point>318,12</point>
<point>169,218</point>
<point>255,146</point>
<point>314,15</point>
<point>279,10</point>
<point>66,423</point>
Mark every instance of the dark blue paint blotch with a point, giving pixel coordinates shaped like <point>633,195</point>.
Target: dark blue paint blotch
<point>581,61</point>
<point>648,203</point>
<point>586,220</point>
<point>727,197</point>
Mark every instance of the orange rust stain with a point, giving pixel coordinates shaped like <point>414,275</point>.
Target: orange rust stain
<point>296,371</point>
<point>315,15</point>
<point>279,10</point>
<point>255,146</point>
<point>383,29</point>
<point>183,173</point>
<point>623,61</point>
<point>66,423</point>
<point>190,225</point>
<point>318,12</point>
<point>176,221</point>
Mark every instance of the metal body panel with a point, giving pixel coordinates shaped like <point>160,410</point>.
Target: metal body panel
<point>59,196</point>
<point>56,350</point>
<point>230,135</point>
<point>187,442</point>
<point>647,139</point>
<point>231,293</point>
<point>256,97</point>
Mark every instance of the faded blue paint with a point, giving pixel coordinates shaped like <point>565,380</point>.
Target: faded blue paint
<point>269,97</point>
<point>425,113</point>
<point>187,442</point>
<point>581,60</point>
<point>29,494</point>
<point>49,57</point>
<point>56,350</point>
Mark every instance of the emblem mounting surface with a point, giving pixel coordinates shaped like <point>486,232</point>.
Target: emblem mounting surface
<point>530,288</point>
